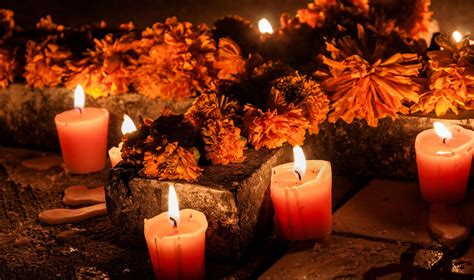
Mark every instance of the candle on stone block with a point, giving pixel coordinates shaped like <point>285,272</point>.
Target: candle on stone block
<point>115,153</point>
<point>264,26</point>
<point>83,136</point>
<point>176,241</point>
<point>443,157</point>
<point>301,196</point>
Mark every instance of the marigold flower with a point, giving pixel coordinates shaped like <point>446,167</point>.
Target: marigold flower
<point>8,67</point>
<point>46,63</point>
<point>223,142</point>
<point>272,129</point>
<point>172,163</point>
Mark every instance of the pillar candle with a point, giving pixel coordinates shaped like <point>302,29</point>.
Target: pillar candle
<point>444,162</point>
<point>303,202</point>
<point>176,241</point>
<point>83,136</point>
<point>115,153</point>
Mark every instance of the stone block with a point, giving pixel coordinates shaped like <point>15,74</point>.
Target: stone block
<point>27,115</point>
<point>385,209</point>
<point>386,151</point>
<point>234,198</point>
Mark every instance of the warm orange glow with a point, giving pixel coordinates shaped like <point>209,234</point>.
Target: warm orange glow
<point>128,126</point>
<point>265,26</point>
<point>299,162</point>
<point>442,131</point>
<point>457,36</point>
<point>79,98</point>
<point>173,207</point>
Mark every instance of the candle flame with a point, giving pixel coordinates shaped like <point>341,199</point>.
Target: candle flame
<point>299,162</point>
<point>128,126</point>
<point>265,26</point>
<point>79,98</point>
<point>457,36</point>
<point>173,208</point>
<point>442,131</point>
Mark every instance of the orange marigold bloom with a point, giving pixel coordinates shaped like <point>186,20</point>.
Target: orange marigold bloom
<point>223,143</point>
<point>451,78</point>
<point>108,69</point>
<point>175,60</point>
<point>272,129</point>
<point>172,163</point>
<point>8,67</point>
<point>229,62</point>
<point>317,13</point>
<point>210,106</point>
<point>369,83</point>
<point>7,23</point>
<point>47,23</point>
<point>46,63</point>
<point>410,17</point>
<point>305,94</point>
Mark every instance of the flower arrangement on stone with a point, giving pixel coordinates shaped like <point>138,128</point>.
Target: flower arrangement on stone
<point>271,105</point>
<point>450,78</point>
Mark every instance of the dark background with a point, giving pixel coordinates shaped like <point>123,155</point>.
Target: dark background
<point>451,14</point>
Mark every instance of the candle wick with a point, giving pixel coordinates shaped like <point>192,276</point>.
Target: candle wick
<point>444,140</point>
<point>175,223</point>
<point>298,174</point>
<point>79,109</point>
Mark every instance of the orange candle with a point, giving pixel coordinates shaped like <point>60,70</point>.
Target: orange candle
<point>115,154</point>
<point>83,136</point>
<point>176,241</point>
<point>301,196</point>
<point>444,157</point>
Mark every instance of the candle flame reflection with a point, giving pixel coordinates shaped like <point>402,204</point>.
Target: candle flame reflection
<point>265,26</point>
<point>127,125</point>
<point>173,208</point>
<point>299,162</point>
<point>79,98</point>
<point>442,131</point>
<point>457,36</point>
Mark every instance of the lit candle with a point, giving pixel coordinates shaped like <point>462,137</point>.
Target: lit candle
<point>301,196</point>
<point>444,157</point>
<point>83,136</point>
<point>264,26</point>
<point>457,36</point>
<point>115,154</point>
<point>176,241</point>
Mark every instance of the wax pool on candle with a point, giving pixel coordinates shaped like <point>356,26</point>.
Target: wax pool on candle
<point>303,207</point>
<point>444,164</point>
<point>83,136</point>
<point>176,242</point>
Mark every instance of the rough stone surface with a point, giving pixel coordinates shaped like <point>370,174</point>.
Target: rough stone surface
<point>337,257</point>
<point>27,115</point>
<point>385,209</point>
<point>352,257</point>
